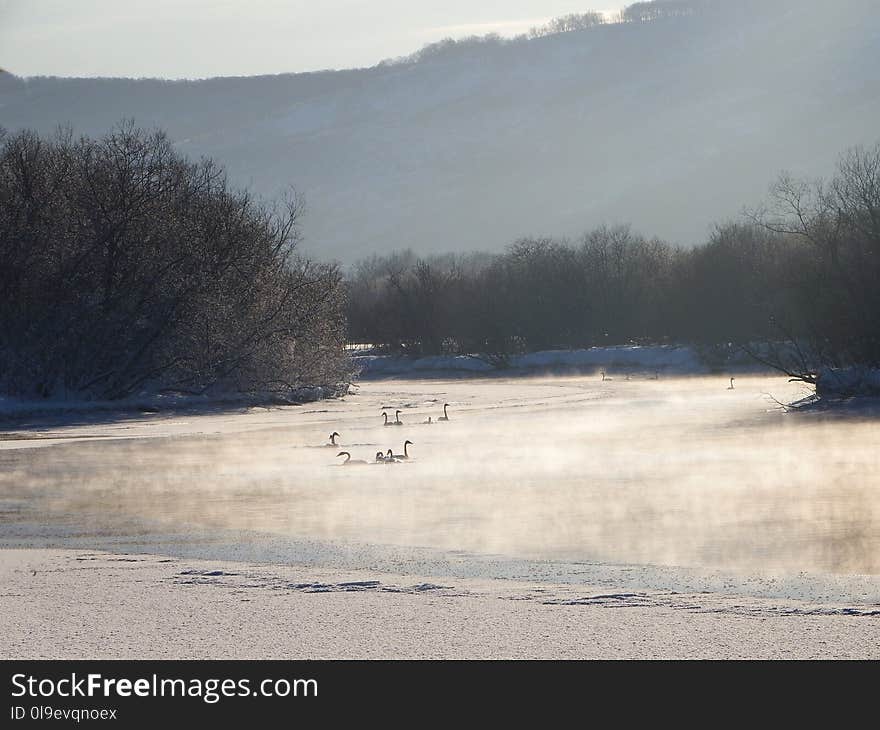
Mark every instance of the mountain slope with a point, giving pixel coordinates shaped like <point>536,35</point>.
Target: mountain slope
<point>670,124</point>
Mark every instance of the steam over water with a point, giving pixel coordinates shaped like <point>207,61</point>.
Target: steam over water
<point>669,472</point>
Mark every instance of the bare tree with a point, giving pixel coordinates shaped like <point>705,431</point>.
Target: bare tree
<point>836,227</point>
<point>126,266</point>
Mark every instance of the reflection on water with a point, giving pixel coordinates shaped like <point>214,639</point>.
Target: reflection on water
<point>674,472</point>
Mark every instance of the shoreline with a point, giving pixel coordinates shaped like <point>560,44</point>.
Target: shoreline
<point>859,593</point>
<point>200,609</point>
<point>668,360</point>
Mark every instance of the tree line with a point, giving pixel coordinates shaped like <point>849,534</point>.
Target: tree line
<point>640,12</point>
<point>794,283</point>
<point>126,267</point>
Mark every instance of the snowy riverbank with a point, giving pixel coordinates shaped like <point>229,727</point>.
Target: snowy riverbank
<point>650,361</point>
<point>234,610</point>
<point>18,409</point>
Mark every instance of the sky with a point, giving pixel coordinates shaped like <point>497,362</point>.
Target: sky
<point>203,38</point>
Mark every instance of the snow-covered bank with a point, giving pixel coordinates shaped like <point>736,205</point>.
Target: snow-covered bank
<point>650,360</point>
<point>16,409</point>
<point>848,382</point>
<point>234,610</point>
<point>844,392</point>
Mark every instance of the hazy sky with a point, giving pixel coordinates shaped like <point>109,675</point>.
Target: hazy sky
<point>198,38</point>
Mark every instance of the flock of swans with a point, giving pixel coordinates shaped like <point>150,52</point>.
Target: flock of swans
<point>387,457</point>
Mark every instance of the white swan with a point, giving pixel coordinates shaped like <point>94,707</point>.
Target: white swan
<point>390,458</point>
<point>405,454</point>
<point>445,416</point>
<point>387,422</point>
<point>349,461</point>
<point>333,439</point>
<point>397,421</point>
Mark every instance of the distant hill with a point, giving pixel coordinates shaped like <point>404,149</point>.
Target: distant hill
<point>668,122</point>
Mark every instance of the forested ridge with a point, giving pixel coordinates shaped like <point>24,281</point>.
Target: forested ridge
<point>668,120</point>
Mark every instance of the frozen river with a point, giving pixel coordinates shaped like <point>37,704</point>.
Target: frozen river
<point>661,483</point>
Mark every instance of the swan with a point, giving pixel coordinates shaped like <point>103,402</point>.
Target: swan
<point>333,439</point>
<point>605,377</point>
<point>387,422</point>
<point>445,416</point>
<point>428,422</point>
<point>730,387</point>
<point>380,457</point>
<point>348,460</point>
<point>397,421</point>
<point>390,458</point>
<point>405,454</point>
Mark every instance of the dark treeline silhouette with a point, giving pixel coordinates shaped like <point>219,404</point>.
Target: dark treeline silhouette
<point>127,267</point>
<point>612,286</point>
<point>795,285</point>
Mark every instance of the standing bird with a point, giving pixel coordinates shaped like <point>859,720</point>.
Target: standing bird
<point>445,416</point>
<point>348,460</point>
<point>730,387</point>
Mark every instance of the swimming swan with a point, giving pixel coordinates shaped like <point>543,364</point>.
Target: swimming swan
<point>333,439</point>
<point>445,416</point>
<point>730,387</point>
<point>390,458</point>
<point>405,454</point>
<point>397,421</point>
<point>348,460</point>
